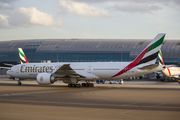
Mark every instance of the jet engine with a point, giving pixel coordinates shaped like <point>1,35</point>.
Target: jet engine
<point>45,79</point>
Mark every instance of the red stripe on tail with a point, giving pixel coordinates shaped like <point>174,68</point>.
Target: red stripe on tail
<point>25,59</point>
<point>132,64</point>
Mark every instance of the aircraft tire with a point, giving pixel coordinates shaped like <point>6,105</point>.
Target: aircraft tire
<point>92,85</point>
<point>86,85</point>
<point>78,85</point>
<point>19,83</point>
<point>83,84</point>
<point>69,85</point>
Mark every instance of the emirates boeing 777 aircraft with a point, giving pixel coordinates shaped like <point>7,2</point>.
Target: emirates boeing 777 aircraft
<point>71,73</point>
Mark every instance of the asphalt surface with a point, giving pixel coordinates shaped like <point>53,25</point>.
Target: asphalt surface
<point>135,100</point>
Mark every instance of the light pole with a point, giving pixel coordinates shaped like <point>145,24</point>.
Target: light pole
<point>121,46</point>
<point>57,52</point>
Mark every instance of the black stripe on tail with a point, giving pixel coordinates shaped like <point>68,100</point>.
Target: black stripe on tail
<point>22,61</point>
<point>149,58</point>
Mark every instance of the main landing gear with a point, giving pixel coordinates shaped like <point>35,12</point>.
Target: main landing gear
<point>19,83</point>
<point>83,85</point>
<point>74,85</point>
<point>87,84</point>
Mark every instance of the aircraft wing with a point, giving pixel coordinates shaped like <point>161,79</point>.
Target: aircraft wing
<point>8,64</point>
<point>67,72</point>
<point>152,66</point>
<point>6,68</point>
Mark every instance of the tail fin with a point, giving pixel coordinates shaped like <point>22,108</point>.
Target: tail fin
<point>150,53</point>
<point>148,56</point>
<point>22,56</point>
<point>161,61</point>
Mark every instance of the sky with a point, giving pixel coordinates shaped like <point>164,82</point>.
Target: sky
<point>89,19</point>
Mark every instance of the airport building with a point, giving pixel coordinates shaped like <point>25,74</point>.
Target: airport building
<point>83,50</point>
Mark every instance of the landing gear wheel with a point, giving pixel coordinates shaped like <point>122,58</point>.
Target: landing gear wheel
<point>74,85</point>
<point>78,85</point>
<point>69,85</point>
<point>87,84</point>
<point>91,85</point>
<point>19,83</point>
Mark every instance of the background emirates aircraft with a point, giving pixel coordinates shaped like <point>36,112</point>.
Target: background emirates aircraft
<point>23,59</point>
<point>171,72</point>
<point>71,73</point>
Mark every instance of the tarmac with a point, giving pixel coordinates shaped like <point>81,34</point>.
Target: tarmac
<point>134,100</point>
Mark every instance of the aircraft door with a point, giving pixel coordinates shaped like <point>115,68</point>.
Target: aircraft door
<point>89,69</point>
<point>17,69</point>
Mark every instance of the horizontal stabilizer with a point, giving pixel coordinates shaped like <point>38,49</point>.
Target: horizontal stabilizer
<point>168,66</point>
<point>149,67</point>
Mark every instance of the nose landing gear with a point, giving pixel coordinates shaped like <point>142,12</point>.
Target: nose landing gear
<point>19,82</point>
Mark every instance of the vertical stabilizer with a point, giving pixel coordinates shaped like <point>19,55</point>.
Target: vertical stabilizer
<point>150,53</point>
<point>22,56</point>
<point>148,56</point>
<point>161,61</point>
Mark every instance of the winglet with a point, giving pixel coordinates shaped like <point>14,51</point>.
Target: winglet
<point>22,56</point>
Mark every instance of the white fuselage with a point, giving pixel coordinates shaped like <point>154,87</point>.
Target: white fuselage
<point>172,72</point>
<point>93,70</point>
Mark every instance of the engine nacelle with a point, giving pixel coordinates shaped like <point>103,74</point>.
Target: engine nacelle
<point>45,79</point>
